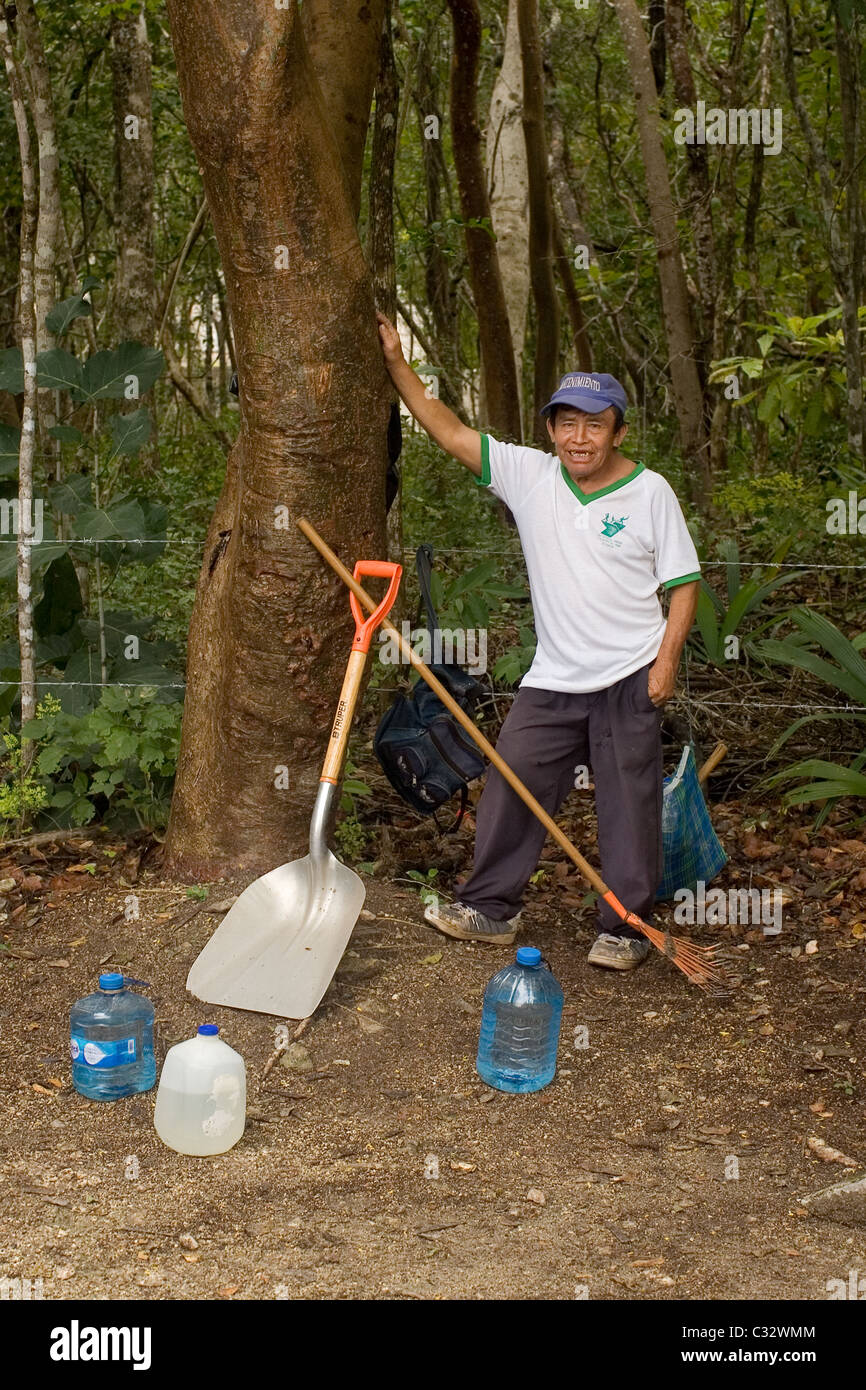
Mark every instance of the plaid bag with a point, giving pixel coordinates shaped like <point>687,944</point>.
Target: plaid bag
<point>692,850</point>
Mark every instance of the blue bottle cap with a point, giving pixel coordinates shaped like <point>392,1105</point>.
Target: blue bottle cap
<point>112,979</point>
<point>528,955</point>
<point>208,1029</point>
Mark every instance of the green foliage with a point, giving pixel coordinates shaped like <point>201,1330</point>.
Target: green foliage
<point>22,794</point>
<point>351,838</point>
<point>352,787</point>
<point>516,660</point>
<point>117,760</point>
<point>426,891</point>
<point>777,502</point>
<point>844,672</point>
<point>801,371</point>
<point>718,622</point>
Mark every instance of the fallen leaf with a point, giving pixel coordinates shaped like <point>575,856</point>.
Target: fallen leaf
<point>369,1025</point>
<point>460,1167</point>
<point>228,1290</point>
<point>79,941</point>
<point>432,960</point>
<point>55,1081</point>
<point>828,1154</point>
<point>42,1090</point>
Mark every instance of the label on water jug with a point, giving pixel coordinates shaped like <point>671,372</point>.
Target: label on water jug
<point>119,1052</point>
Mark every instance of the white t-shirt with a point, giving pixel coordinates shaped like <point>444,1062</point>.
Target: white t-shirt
<point>595,563</point>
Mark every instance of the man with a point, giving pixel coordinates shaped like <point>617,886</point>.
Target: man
<point>600,534</point>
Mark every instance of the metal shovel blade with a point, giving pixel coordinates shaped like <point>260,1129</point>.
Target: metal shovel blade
<point>278,946</point>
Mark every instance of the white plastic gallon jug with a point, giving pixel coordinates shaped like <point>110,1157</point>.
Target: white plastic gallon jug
<point>202,1096</point>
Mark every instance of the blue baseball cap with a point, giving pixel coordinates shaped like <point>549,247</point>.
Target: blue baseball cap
<point>589,391</point>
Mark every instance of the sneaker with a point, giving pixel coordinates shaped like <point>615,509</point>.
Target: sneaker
<point>618,952</point>
<point>468,924</point>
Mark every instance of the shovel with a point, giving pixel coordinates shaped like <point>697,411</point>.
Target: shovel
<point>700,964</point>
<point>278,946</point>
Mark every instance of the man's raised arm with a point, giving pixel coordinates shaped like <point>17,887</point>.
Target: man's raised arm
<point>433,415</point>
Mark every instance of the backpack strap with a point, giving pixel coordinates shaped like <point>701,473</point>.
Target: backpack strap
<point>464,803</point>
<point>424,566</point>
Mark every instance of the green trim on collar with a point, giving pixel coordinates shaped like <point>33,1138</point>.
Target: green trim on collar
<point>585,497</point>
<point>684,579</point>
<point>484,480</point>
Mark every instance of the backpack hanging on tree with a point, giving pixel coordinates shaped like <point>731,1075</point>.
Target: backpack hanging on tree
<point>423,751</point>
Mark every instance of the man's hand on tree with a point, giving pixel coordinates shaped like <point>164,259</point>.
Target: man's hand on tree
<point>662,680</point>
<point>392,348</point>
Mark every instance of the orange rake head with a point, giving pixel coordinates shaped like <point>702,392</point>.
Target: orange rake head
<point>700,964</point>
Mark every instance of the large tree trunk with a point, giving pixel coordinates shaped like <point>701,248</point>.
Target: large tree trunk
<point>270,633</point>
<point>540,219</point>
<point>132,313</point>
<point>676,313</point>
<point>508,183</point>
<point>501,393</point>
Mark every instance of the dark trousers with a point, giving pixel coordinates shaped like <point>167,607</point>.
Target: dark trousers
<point>547,735</point>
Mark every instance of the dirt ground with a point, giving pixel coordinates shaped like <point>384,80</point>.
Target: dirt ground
<point>609,1184</point>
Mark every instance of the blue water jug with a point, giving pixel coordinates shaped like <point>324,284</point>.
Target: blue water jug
<point>111,1041</point>
<point>520,1025</point>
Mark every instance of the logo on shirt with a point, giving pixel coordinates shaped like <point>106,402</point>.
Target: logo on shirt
<point>611,527</point>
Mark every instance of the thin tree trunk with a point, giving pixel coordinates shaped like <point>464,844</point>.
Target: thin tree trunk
<point>27,322</point>
<point>508,184</point>
<point>132,312</point>
<point>50,230</point>
<point>50,224</point>
<point>700,205</point>
<point>540,218</point>
<point>848,59</point>
<point>658,42</point>
<point>576,317</point>
<point>381,237</point>
<point>841,265</point>
<point>270,632</point>
<point>501,391</point>
<point>676,312</point>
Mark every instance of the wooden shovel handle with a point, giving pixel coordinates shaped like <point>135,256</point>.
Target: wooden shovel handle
<point>465,722</point>
<point>384,569</point>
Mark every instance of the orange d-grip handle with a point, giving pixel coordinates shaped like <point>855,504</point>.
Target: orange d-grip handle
<point>379,569</point>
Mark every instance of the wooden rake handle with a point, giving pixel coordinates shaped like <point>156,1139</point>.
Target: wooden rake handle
<point>589,873</point>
